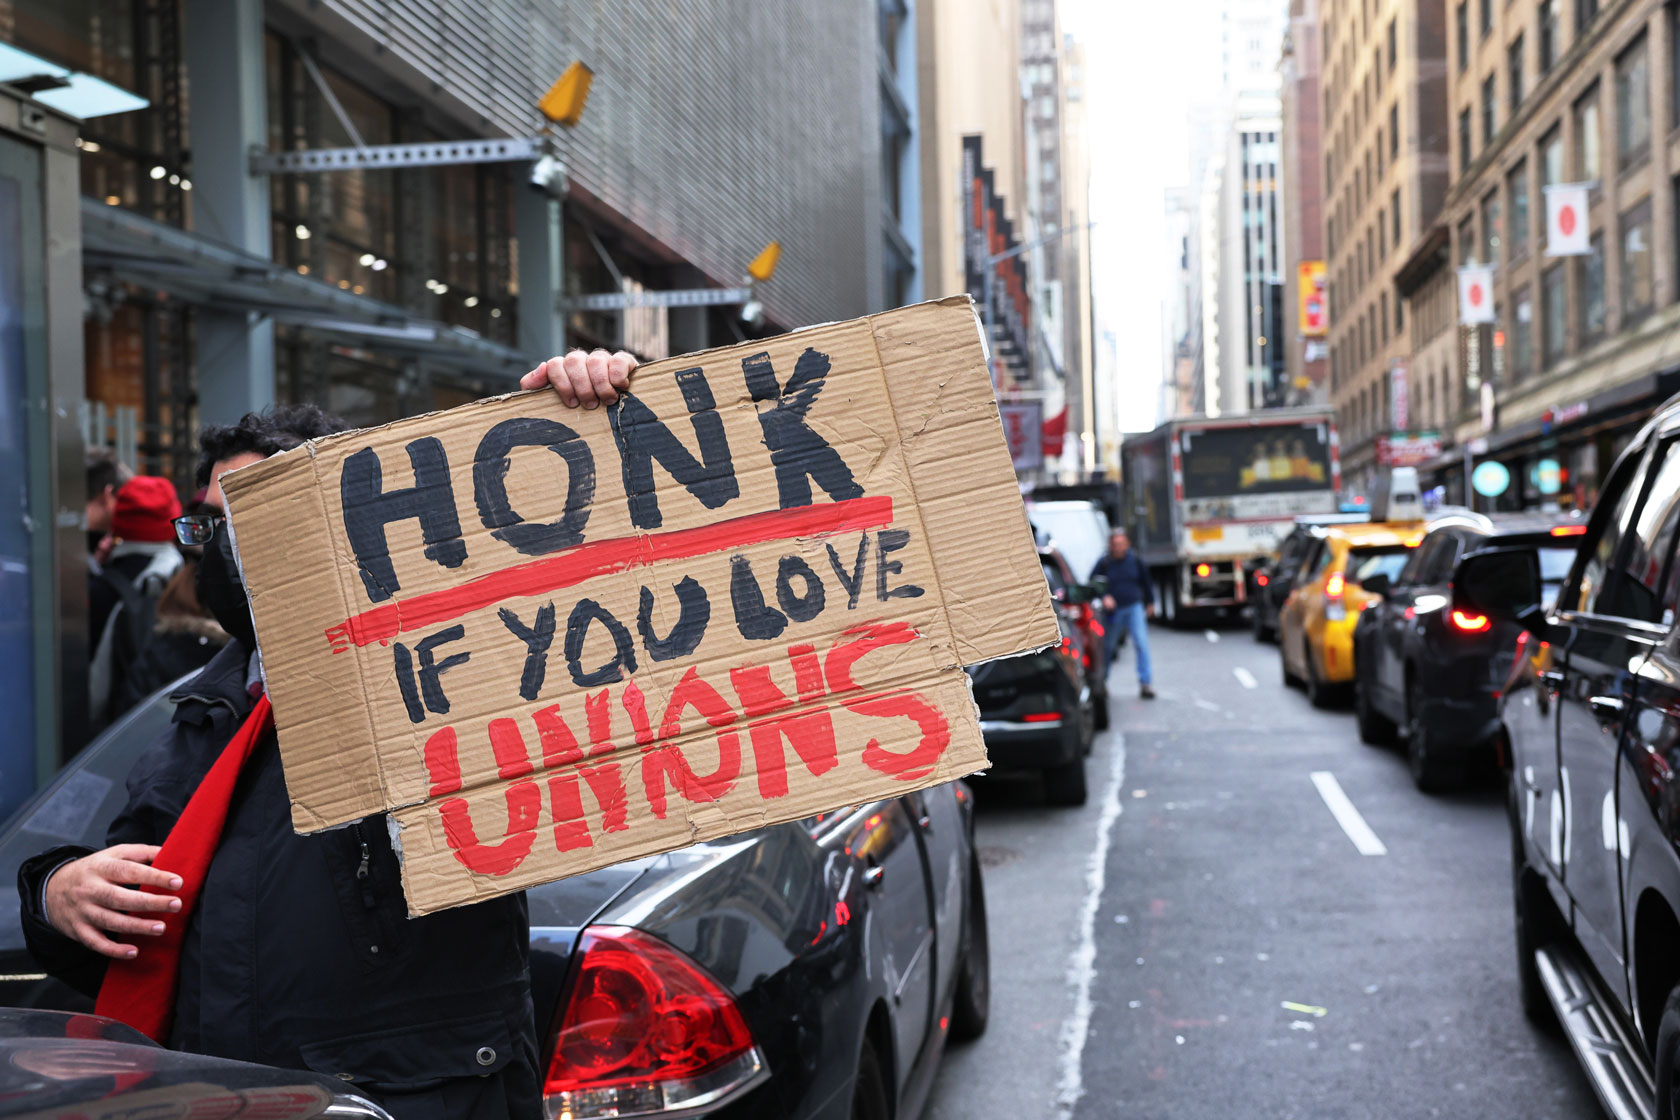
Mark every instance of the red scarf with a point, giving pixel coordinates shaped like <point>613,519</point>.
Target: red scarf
<point>140,991</point>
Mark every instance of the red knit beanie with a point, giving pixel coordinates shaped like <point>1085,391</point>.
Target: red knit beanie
<point>145,507</point>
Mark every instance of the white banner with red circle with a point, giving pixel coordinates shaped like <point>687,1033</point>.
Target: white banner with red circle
<point>1475,294</point>
<point>1566,220</point>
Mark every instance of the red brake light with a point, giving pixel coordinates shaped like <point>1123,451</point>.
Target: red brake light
<point>1262,579</point>
<point>1042,717</point>
<point>1568,530</point>
<point>1470,623</point>
<point>1204,570</point>
<point>1334,585</point>
<point>645,1031</point>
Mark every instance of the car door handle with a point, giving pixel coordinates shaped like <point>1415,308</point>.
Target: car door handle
<point>1606,707</point>
<point>872,877</point>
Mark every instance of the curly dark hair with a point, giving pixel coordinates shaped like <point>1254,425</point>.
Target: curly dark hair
<point>276,429</point>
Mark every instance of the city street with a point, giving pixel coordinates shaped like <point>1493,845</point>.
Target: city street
<point>1231,951</point>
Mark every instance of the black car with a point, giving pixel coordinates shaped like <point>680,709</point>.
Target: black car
<point>1270,579</point>
<point>63,1065</point>
<point>1077,602</point>
<point>831,957</point>
<point>1590,720</point>
<point>1431,675</point>
<point>1038,710</point>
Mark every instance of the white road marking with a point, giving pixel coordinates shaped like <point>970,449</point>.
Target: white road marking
<point>1082,963</point>
<point>1346,815</point>
<point>1207,705</point>
<point>1245,678</point>
<point>1212,635</point>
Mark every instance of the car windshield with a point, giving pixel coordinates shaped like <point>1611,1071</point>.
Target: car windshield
<point>87,793</point>
<point>1364,563</point>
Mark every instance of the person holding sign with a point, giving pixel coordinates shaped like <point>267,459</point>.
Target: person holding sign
<point>213,927</point>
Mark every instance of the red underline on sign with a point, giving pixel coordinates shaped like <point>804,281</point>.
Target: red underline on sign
<point>597,558</point>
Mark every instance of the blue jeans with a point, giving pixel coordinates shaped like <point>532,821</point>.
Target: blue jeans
<point>1133,622</point>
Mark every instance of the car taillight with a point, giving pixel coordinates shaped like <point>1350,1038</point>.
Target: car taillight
<point>645,1032</point>
<point>1335,608</point>
<point>1470,623</point>
<point>1203,571</point>
<point>1042,717</point>
<point>1261,579</point>
<point>1568,530</point>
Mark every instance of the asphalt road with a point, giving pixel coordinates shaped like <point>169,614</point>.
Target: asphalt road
<point>1144,946</point>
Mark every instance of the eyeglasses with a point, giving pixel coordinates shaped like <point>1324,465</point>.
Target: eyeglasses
<point>197,529</point>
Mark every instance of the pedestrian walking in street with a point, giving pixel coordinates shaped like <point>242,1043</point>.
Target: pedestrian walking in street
<point>1129,600</point>
<point>212,926</point>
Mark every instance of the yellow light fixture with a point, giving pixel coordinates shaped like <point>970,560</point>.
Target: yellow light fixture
<point>563,103</point>
<point>763,266</point>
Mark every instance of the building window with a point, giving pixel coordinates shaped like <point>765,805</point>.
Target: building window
<point>1633,104</point>
<point>1394,215</point>
<point>1379,154</point>
<point>1462,25</point>
<point>1516,189</point>
<point>1399,312</point>
<point>1548,25</point>
<point>1551,157</point>
<point>1385,318</point>
<point>1490,109</point>
<point>1464,140</point>
<point>1514,72</point>
<point>1554,301</point>
<point>1589,286</point>
<point>1586,136</point>
<point>1585,12</point>
<point>1467,242</point>
<point>1393,45</point>
<point>1486,17</point>
<point>1394,131</point>
<point>1491,228</point>
<point>1636,261</point>
<point>1522,334</point>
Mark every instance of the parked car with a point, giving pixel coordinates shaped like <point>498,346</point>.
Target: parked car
<point>1036,713</point>
<point>1078,602</point>
<point>1590,719</point>
<point>1315,624</point>
<point>58,1064</point>
<point>832,957</point>
<point>1078,529</point>
<point>1432,675</point>
<point>1271,578</point>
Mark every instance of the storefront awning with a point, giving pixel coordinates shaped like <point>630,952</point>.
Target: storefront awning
<point>133,249</point>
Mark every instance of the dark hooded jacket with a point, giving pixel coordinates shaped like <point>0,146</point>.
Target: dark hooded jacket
<point>300,953</point>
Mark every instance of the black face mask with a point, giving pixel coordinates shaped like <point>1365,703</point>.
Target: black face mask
<point>222,589</point>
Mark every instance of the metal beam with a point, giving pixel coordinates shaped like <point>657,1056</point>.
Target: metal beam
<point>446,153</point>
<point>690,297</point>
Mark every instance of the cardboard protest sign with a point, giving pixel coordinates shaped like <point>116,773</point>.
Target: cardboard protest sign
<point>550,639</point>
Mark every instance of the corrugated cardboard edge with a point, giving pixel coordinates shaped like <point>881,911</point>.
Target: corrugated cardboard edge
<point>923,406</point>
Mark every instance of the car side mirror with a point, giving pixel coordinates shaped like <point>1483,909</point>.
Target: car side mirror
<point>1502,584</point>
<point>1079,593</point>
<point>1378,584</point>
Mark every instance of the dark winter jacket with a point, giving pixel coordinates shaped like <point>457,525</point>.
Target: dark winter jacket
<point>300,954</point>
<point>179,644</point>
<point>1126,579</point>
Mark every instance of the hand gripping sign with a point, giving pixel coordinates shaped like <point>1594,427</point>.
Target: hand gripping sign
<point>547,640</point>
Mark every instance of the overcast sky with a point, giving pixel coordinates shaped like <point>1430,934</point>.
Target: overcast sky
<point>1147,63</point>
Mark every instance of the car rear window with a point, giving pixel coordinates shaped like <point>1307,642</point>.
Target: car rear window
<point>1363,563</point>
<point>1555,563</point>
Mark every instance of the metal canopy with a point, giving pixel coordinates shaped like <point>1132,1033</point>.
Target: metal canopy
<point>685,297</point>
<point>136,250</point>
<point>444,153</point>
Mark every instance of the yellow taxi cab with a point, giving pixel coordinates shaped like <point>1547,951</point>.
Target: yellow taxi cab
<point>1315,624</point>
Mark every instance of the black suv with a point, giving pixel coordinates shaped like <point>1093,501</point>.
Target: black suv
<point>1431,675</point>
<point>1591,719</point>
